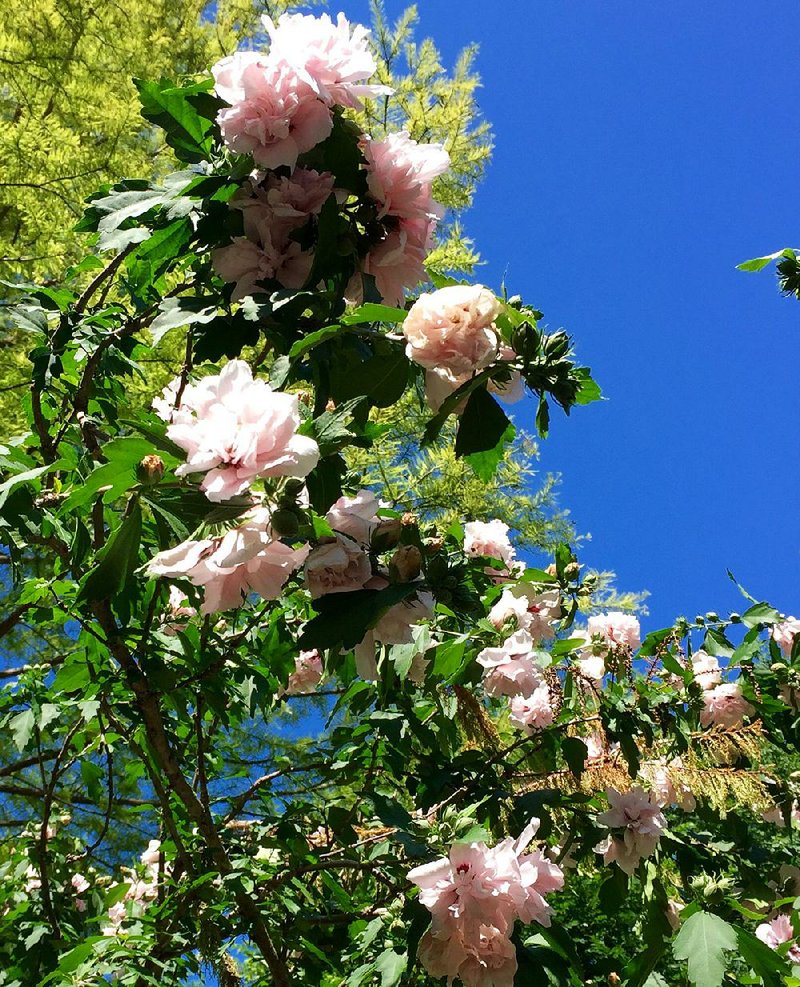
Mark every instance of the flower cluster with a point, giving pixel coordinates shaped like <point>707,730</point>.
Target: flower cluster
<point>785,634</point>
<point>236,429</point>
<point>474,896</point>
<point>142,889</point>
<point>638,815</point>
<point>283,104</point>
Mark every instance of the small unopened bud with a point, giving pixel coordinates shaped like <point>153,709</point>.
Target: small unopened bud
<point>408,520</point>
<point>405,564</point>
<point>571,571</point>
<point>735,618</point>
<point>331,405</point>
<point>614,978</point>
<point>434,545</point>
<point>293,487</point>
<point>551,570</point>
<point>712,616</point>
<point>699,619</point>
<point>284,523</point>
<point>386,534</point>
<point>778,666</point>
<point>150,471</point>
<point>304,397</point>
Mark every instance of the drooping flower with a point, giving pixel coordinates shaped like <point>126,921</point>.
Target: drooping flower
<point>785,634</point>
<point>489,538</point>
<point>235,429</point>
<point>778,931</point>
<point>246,559</point>
<point>533,713</point>
<point>179,611</point>
<point>355,516</point>
<point>248,264</point>
<point>79,883</point>
<point>326,56</point>
<point>307,673</point>
<point>394,627</point>
<point>639,816</point>
<point>273,113</point>
<point>533,611</point>
<point>669,786</point>
<point>511,669</point>
<point>451,329</point>
<point>725,706</point>
<point>116,914</point>
<point>338,566</point>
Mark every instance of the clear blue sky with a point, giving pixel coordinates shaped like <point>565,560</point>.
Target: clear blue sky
<point>642,151</point>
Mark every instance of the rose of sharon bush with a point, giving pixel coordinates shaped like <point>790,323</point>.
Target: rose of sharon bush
<point>451,329</point>
<point>489,538</point>
<point>235,429</point>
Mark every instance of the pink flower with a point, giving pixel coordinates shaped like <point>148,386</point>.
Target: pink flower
<point>593,667</point>
<point>665,789</point>
<point>326,56</point>
<point>117,915</point>
<point>244,560</point>
<point>248,264</point>
<point>477,885</point>
<point>152,855</point>
<point>451,329</point>
<point>236,429</point>
<point>784,634</point>
<point>397,262</point>
<point>725,706</point>
<point>533,612</point>
<point>400,172</point>
<point>339,566</point>
<point>639,815</point>
<point>706,670</point>
<point>533,713</point>
<point>79,883</point>
<point>511,669</point>
<point>778,931</point>
<point>489,538</point>
<point>179,611</point>
<point>616,630</point>
<point>355,516</point>
<point>394,627</point>
<point>274,114</point>
<point>488,960</point>
<point>307,673</point>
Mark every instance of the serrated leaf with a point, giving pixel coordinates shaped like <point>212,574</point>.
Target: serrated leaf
<point>703,941</point>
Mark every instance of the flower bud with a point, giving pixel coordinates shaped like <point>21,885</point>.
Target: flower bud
<point>571,571</point>
<point>735,618</point>
<point>408,520</point>
<point>712,616</point>
<point>405,564</point>
<point>284,523</point>
<point>699,619</point>
<point>150,471</point>
<point>778,666</point>
<point>386,534</point>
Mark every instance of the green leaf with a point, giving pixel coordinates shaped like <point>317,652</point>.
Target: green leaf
<point>715,643</point>
<point>27,477</point>
<point>589,389</point>
<point>324,482</point>
<point>331,429</point>
<point>703,940</point>
<point>371,312</point>
<point>760,613</point>
<point>484,464</point>
<point>483,426</point>
<point>391,965</point>
<point>575,753</point>
<point>119,473</point>
<point>22,728</point>
<point>186,115</point>
<point>344,618</point>
<point>115,561</point>
<point>176,312</point>
<point>759,263</point>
